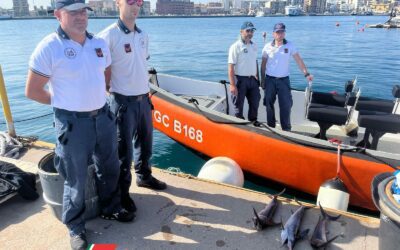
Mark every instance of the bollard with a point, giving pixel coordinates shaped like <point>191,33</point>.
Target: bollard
<point>6,106</point>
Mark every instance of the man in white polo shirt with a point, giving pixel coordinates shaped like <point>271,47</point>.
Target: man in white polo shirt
<point>72,63</point>
<point>128,83</point>
<point>243,73</point>
<point>275,76</point>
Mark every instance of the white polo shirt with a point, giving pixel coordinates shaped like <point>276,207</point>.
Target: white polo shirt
<point>75,72</point>
<point>129,53</point>
<point>244,58</point>
<point>278,58</point>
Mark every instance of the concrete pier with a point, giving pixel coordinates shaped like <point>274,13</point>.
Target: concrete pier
<point>190,214</point>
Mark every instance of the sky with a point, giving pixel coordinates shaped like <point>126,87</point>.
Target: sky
<point>7,4</point>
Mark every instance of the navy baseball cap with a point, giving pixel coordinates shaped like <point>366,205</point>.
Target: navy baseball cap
<point>247,26</point>
<point>71,5</point>
<point>279,27</point>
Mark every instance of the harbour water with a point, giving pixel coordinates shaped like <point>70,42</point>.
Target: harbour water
<point>197,48</point>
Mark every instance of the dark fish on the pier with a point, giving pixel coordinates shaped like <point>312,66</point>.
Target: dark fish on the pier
<point>265,217</point>
<point>318,239</point>
<point>291,230</point>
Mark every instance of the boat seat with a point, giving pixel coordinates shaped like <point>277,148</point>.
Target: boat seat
<point>326,116</point>
<point>333,99</point>
<point>328,109</point>
<point>377,122</point>
<point>365,103</point>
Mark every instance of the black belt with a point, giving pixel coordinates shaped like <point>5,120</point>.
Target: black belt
<point>84,114</point>
<point>130,98</point>
<point>278,78</point>
<point>246,76</point>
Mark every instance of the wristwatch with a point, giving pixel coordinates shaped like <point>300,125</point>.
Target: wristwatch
<point>306,74</point>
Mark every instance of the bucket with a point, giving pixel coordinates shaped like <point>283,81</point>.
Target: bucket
<point>389,229</point>
<point>53,188</point>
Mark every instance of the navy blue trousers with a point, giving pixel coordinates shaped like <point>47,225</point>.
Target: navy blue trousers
<point>281,87</point>
<point>81,140</point>
<point>134,121</point>
<point>247,88</point>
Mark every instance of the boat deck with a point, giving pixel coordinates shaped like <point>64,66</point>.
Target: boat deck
<point>191,213</point>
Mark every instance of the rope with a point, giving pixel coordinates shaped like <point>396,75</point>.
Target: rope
<point>196,104</point>
<point>29,119</point>
<point>174,170</point>
<point>338,167</point>
<point>9,147</point>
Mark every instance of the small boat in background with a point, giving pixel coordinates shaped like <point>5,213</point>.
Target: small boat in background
<point>260,13</point>
<point>292,10</point>
<point>393,22</point>
<point>5,17</point>
<point>199,115</point>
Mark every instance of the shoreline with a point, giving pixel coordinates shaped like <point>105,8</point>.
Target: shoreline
<point>182,16</point>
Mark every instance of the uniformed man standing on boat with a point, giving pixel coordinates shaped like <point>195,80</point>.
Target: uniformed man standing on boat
<point>72,62</point>
<point>243,73</point>
<point>128,82</point>
<point>275,75</point>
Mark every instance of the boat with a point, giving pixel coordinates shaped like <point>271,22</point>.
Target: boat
<point>393,22</point>
<point>199,115</point>
<point>260,13</point>
<point>292,10</point>
<point>5,17</point>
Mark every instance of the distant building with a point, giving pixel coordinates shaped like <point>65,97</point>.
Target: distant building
<point>21,8</point>
<point>252,4</point>
<point>237,4</point>
<point>174,7</point>
<point>97,7</point>
<point>380,7</point>
<point>103,7</point>
<point>226,5</point>
<point>314,6</point>
<point>296,2</point>
<point>200,9</point>
<point>145,10</point>
<point>39,11</point>
<point>215,8</point>
<point>276,6</point>
<point>4,13</point>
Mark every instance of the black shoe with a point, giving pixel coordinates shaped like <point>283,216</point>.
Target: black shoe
<point>127,203</point>
<point>151,183</point>
<point>79,242</point>
<point>122,216</point>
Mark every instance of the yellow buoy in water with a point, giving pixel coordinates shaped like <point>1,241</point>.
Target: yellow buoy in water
<point>222,169</point>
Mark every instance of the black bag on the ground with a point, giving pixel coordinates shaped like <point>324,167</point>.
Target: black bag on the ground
<point>13,179</point>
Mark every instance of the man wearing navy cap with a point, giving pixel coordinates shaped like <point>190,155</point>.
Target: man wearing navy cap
<point>72,62</point>
<point>275,76</point>
<point>128,82</point>
<point>243,73</point>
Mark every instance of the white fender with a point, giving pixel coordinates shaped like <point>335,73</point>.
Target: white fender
<point>222,169</point>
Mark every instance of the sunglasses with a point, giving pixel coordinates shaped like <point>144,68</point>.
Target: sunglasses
<point>139,3</point>
<point>249,31</point>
